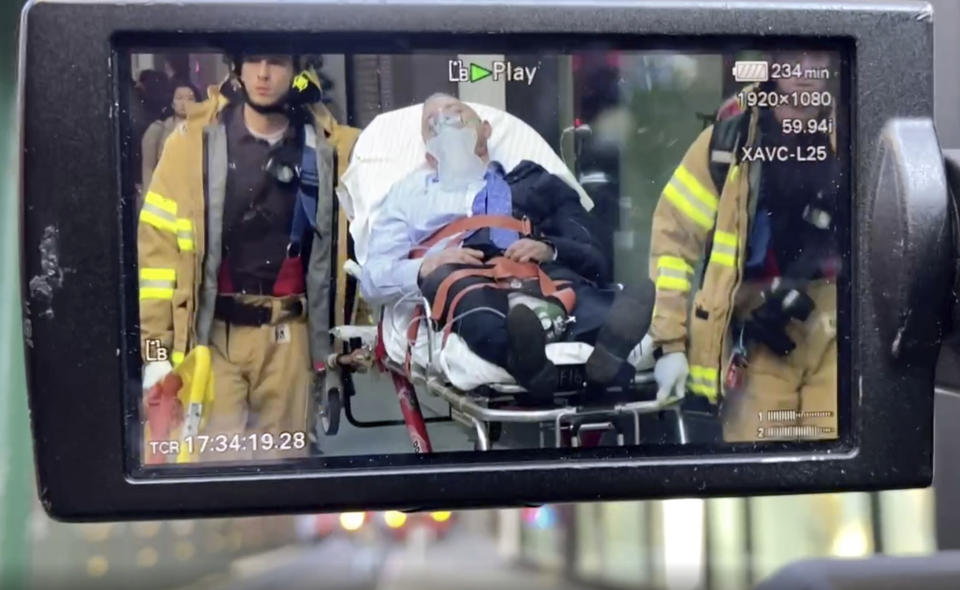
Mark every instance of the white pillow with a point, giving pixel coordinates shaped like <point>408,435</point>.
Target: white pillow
<point>391,147</point>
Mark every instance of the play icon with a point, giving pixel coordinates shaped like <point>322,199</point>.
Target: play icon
<point>478,73</point>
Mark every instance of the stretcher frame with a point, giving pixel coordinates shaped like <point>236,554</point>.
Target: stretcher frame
<point>482,414</point>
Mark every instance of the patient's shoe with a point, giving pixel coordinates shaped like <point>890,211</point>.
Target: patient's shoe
<point>527,355</point>
<point>625,327</point>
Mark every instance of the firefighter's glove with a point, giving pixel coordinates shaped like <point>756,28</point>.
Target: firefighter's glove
<point>154,371</point>
<point>671,373</point>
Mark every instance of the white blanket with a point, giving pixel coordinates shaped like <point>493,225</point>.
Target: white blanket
<point>464,369</point>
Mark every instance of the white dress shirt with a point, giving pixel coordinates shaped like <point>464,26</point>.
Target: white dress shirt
<point>413,210</point>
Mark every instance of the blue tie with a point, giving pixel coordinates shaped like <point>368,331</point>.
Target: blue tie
<point>495,199</point>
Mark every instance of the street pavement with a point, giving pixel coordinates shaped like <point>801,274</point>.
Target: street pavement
<point>464,560</point>
<point>336,563</point>
<point>376,400</point>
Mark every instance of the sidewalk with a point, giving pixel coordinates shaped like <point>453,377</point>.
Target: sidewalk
<point>465,561</point>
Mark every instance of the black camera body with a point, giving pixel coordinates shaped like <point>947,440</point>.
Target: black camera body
<point>79,280</point>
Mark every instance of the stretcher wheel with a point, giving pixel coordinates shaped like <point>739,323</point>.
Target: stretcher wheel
<point>494,431</point>
<point>330,406</point>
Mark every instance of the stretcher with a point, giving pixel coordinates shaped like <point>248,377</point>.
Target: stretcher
<point>479,395</point>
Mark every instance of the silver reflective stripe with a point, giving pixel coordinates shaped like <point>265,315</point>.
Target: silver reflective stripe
<point>594,178</point>
<point>673,272</point>
<point>215,144</point>
<point>694,201</point>
<point>147,284</point>
<point>159,212</point>
<point>724,249</point>
<point>721,157</point>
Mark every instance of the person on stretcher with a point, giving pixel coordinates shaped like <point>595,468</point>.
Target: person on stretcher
<point>507,259</point>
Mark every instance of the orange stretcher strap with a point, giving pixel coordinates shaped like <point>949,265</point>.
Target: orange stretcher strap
<point>468,224</point>
<point>563,293</point>
<point>503,269</point>
<point>451,316</point>
<point>440,299</point>
<point>500,271</point>
<point>464,225</point>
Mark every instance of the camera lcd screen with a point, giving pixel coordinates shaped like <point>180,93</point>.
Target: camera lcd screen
<point>596,247</point>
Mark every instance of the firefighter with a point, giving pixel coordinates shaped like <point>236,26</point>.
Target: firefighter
<point>761,335</point>
<point>234,244</point>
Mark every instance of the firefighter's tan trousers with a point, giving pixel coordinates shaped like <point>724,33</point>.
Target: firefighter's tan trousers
<point>792,397</point>
<point>262,379</point>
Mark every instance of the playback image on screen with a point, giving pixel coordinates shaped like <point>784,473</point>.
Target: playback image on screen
<point>359,254</point>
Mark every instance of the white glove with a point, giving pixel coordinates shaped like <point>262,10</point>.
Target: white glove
<point>671,373</point>
<point>154,371</point>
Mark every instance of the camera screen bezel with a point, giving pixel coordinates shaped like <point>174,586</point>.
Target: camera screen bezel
<point>85,326</point>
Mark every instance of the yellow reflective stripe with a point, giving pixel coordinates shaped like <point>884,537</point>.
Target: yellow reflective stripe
<point>724,249</point>
<point>701,372</point>
<point>159,212</point>
<point>674,263</point>
<point>673,273</point>
<point>686,207</point>
<point>725,238</point>
<point>703,381</point>
<point>700,192</point>
<point>156,293</point>
<point>184,234</point>
<point>157,283</point>
<point>669,283</point>
<point>157,220</point>
<point>176,358</point>
<point>158,274</point>
<point>733,173</point>
<point>161,202</point>
<point>724,259</point>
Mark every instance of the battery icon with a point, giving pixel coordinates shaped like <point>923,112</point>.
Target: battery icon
<point>751,71</point>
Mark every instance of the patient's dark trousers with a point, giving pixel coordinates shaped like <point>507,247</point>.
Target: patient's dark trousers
<point>481,314</point>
